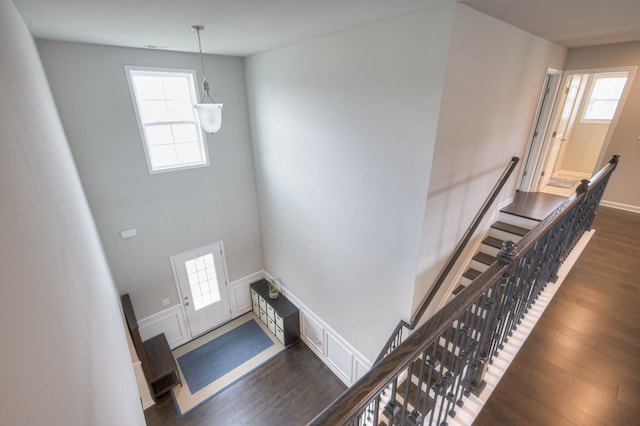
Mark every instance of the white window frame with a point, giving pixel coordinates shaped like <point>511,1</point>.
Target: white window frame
<point>589,100</point>
<point>201,137</point>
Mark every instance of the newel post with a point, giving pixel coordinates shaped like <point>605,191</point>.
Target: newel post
<point>495,306</point>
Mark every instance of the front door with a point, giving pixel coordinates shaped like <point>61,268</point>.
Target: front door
<point>202,285</point>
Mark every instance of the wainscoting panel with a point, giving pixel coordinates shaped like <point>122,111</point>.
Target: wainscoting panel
<point>344,360</point>
<point>340,357</point>
<point>312,333</point>
<point>171,322</point>
<point>239,294</point>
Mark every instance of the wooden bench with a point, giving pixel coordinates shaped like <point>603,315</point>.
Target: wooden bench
<point>158,364</point>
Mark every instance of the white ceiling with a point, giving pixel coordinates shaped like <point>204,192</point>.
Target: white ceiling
<point>245,27</point>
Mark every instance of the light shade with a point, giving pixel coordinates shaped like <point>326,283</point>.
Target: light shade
<point>210,116</point>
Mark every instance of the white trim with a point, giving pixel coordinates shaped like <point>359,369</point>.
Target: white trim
<point>575,174</point>
<point>202,138</point>
<point>170,321</point>
<point>539,129</point>
<point>620,206</point>
<point>331,347</point>
<point>143,388</point>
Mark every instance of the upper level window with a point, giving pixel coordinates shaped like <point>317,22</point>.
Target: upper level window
<point>163,100</point>
<point>603,99</point>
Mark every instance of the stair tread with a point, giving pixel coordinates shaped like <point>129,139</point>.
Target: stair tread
<point>458,289</point>
<point>511,229</point>
<point>471,274</point>
<point>493,242</point>
<point>484,258</point>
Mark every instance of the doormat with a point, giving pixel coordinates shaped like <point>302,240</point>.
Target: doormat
<point>562,182</point>
<point>215,361</point>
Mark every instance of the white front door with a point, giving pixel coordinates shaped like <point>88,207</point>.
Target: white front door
<point>202,283</point>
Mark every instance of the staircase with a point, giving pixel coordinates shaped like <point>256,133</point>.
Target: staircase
<point>509,227</point>
<point>425,376</point>
<point>443,364</point>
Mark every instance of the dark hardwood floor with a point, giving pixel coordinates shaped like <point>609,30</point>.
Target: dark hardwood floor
<point>290,390</point>
<point>581,363</point>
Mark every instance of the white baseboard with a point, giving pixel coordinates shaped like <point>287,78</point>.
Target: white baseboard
<point>579,175</point>
<point>620,206</point>
<point>343,359</point>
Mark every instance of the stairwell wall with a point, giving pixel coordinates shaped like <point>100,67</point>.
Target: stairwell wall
<point>625,141</point>
<point>343,130</point>
<point>64,356</point>
<point>494,78</point>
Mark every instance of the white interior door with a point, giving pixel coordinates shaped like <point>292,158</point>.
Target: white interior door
<point>562,128</point>
<point>202,283</point>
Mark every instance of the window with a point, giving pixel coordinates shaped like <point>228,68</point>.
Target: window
<point>163,100</point>
<point>203,281</point>
<point>603,99</point>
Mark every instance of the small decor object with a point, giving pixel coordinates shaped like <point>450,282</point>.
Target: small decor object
<point>209,112</point>
<point>275,286</point>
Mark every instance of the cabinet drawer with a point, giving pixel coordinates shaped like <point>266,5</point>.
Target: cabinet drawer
<point>256,308</point>
<point>279,321</point>
<point>280,334</point>
<point>263,303</point>
<point>272,325</point>
<point>254,296</point>
<point>270,313</point>
<point>263,316</point>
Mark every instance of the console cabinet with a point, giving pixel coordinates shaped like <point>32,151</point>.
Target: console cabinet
<point>279,315</point>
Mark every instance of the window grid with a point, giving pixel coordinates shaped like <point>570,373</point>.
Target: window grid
<point>203,281</point>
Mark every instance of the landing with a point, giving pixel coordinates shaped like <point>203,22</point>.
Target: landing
<point>533,205</point>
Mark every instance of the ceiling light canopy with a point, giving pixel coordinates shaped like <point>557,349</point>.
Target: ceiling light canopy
<point>209,112</point>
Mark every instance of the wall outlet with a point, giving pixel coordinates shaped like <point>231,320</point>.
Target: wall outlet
<point>165,302</point>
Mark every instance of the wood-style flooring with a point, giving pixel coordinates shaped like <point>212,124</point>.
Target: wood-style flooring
<point>290,390</point>
<point>581,363</point>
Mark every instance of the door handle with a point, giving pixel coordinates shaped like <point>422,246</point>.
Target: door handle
<point>186,304</point>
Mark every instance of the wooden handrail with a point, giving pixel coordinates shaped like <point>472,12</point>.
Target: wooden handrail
<point>426,301</point>
<point>482,317</point>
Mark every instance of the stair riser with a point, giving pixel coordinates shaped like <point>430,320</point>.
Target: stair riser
<point>493,251</point>
<point>479,266</point>
<point>518,220</point>
<point>504,236</point>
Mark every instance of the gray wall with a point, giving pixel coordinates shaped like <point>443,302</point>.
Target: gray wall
<point>494,78</point>
<point>172,212</point>
<point>622,187</point>
<point>64,355</point>
<point>344,130</point>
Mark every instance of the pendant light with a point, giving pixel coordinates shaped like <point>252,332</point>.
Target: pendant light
<point>209,112</point>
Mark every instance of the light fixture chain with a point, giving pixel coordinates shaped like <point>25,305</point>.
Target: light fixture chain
<point>204,74</point>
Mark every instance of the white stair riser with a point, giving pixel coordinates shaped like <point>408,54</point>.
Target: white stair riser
<point>504,236</point>
<point>490,250</point>
<point>520,221</point>
<point>479,266</point>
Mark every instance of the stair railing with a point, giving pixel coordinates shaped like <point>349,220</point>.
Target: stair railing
<point>398,333</point>
<point>430,373</point>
